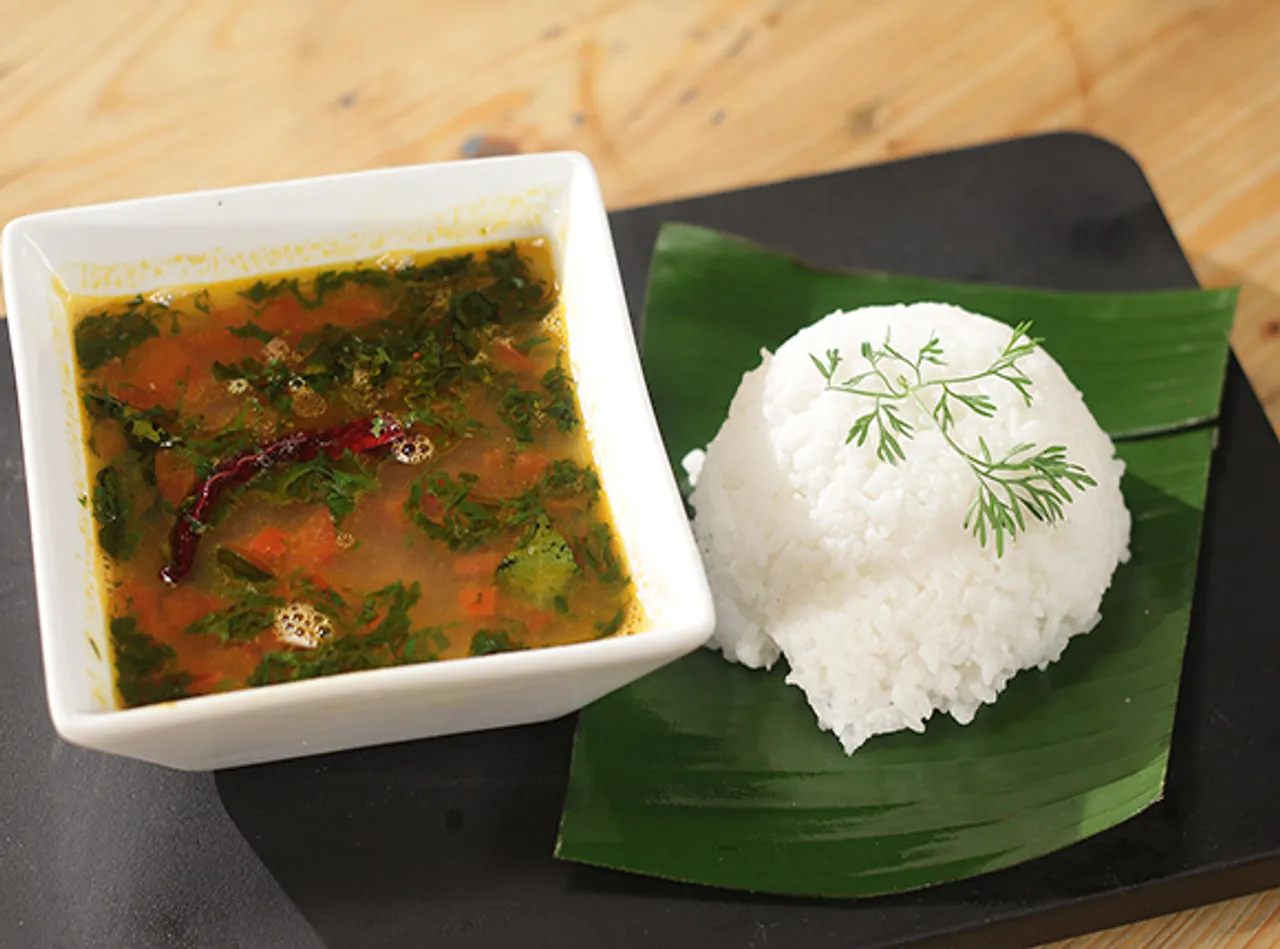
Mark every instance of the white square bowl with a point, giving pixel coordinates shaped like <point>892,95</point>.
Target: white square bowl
<point>137,246</point>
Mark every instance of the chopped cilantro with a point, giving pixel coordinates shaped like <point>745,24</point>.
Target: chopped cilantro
<point>595,550</point>
<point>468,521</point>
<point>609,628</point>
<point>561,407</point>
<point>105,336</point>
<point>425,645</point>
<point>248,616</point>
<point>272,378</point>
<point>486,642</point>
<point>444,270</point>
<point>325,282</point>
<point>337,355</point>
<point>449,418</point>
<point>519,296</point>
<point>521,410</point>
<point>204,453</point>
<point>379,634</point>
<point>390,607</point>
<point>472,309</point>
<point>324,598</point>
<point>338,484</point>
<point>118,533</point>
<point>146,431</point>
<point>565,476</point>
<point>263,292</point>
<point>146,670</point>
<point>527,345</point>
<point>330,281</point>
<point>465,522</point>
<point>252,331</point>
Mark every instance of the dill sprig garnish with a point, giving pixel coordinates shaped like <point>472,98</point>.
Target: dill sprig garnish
<point>1037,480</point>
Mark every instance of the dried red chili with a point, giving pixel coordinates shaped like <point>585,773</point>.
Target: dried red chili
<point>358,437</point>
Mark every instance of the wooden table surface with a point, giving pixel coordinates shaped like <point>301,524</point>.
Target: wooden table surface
<point>100,101</point>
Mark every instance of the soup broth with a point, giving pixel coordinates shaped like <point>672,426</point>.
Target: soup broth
<point>342,469</point>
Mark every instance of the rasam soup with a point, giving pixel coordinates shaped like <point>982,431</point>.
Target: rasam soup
<point>342,469</point>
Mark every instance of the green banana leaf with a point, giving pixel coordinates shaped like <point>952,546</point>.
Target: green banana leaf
<point>711,773</point>
<point>1146,362</point>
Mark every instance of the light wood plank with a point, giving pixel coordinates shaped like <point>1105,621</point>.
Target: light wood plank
<point>100,101</point>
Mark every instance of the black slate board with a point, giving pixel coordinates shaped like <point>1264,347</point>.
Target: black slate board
<point>448,842</point>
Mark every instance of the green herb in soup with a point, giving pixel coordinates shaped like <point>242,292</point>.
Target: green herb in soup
<point>342,469</point>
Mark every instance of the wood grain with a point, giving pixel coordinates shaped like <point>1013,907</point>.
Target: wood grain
<point>670,97</point>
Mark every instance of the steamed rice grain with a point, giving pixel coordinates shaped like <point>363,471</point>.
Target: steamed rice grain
<point>861,573</point>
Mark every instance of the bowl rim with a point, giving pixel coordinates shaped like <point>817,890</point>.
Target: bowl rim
<point>575,159</point>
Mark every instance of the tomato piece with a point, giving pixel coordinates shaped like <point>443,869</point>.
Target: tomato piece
<point>563,508</point>
<point>432,507</point>
<point>219,346</point>
<point>508,357</point>
<point>212,662</point>
<point>480,564</point>
<point>163,369</point>
<point>203,683</point>
<point>270,544</point>
<point>183,605</point>
<point>284,314</point>
<point>141,601</point>
<point>175,476</point>
<point>319,582</point>
<point>163,362</point>
<point>502,472</point>
<point>478,601</point>
<point>390,506</point>
<point>528,467</point>
<point>315,543</point>
<point>108,440</point>
<point>494,471</point>
<point>356,310</point>
<point>537,620</point>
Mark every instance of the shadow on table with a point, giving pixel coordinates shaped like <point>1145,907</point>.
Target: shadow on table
<point>367,842</point>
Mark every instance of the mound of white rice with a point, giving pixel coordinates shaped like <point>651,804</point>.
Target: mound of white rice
<point>862,573</point>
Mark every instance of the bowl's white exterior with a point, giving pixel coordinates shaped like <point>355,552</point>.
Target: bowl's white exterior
<point>137,246</point>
